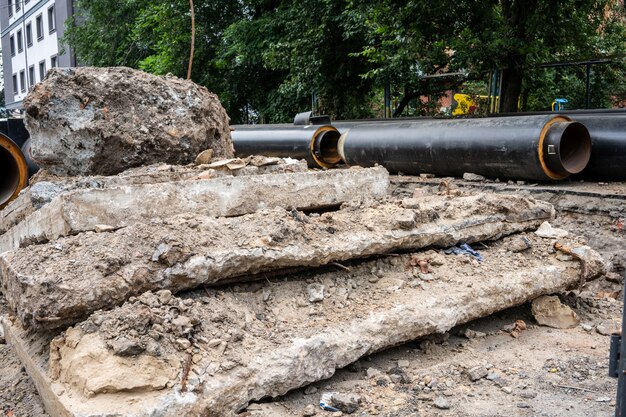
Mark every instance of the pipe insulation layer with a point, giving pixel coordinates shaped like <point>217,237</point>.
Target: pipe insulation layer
<point>525,148</point>
<point>316,144</point>
<point>608,150</point>
<point>13,170</point>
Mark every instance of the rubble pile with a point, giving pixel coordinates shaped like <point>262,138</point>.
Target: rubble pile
<point>194,289</point>
<point>102,121</point>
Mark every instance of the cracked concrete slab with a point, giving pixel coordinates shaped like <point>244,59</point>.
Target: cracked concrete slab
<point>123,205</point>
<point>226,347</point>
<point>56,284</point>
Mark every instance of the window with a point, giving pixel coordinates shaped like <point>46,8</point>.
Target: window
<point>15,87</point>
<point>42,70</point>
<point>26,1</point>
<point>31,75</point>
<point>51,19</point>
<point>12,41</point>
<point>22,81</point>
<point>53,61</point>
<point>11,9</point>
<point>39,26</point>
<point>18,5</point>
<point>20,43</point>
<point>29,34</point>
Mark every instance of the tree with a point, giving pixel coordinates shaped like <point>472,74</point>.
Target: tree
<point>285,52</point>
<point>269,59</point>
<point>525,33</point>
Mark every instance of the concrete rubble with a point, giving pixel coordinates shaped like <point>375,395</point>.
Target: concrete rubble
<point>55,284</point>
<point>102,121</point>
<point>123,205</point>
<point>44,187</point>
<point>148,272</point>
<point>212,351</point>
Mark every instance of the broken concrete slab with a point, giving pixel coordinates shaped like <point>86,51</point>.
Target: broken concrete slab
<point>45,187</point>
<point>236,346</point>
<point>88,120</point>
<point>58,283</point>
<point>83,210</point>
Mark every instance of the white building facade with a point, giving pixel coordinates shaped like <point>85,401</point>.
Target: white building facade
<point>31,34</point>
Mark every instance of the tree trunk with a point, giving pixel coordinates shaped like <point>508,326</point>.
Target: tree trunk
<point>512,85</point>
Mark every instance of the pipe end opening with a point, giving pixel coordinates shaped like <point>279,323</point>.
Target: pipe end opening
<point>567,149</point>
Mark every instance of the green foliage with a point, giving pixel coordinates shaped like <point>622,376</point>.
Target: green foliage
<point>269,59</point>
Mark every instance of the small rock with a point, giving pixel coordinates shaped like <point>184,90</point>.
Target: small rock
<point>398,376</point>
<point>477,372</point>
<point>182,325</point>
<point>507,390</point>
<point>2,338</point>
<point>124,346</point>
<point>427,175</point>
<point>204,157</point>
<point>183,344</point>
<point>603,399</point>
<point>315,292</point>
<point>372,372</point>
<point>586,327</point>
<point>102,228</point>
<point>425,277</point>
<point>473,334</point>
<point>164,296</point>
<point>528,394</point>
<point>213,343</point>
<point>391,284</point>
<point>549,311</point>
<point>347,403</point>
<point>309,411</point>
<point>150,299</point>
<point>518,244</point>
<point>405,220</point>
<point>609,327</point>
<point>441,403</point>
<point>468,176</point>
<point>403,364</point>
<point>546,230</point>
<point>310,390</point>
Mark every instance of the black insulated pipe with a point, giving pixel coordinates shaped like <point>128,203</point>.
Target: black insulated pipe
<point>525,148</point>
<point>608,146</point>
<point>316,144</point>
<point>13,170</point>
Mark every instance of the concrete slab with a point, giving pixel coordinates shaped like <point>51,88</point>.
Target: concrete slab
<point>45,187</point>
<point>227,347</point>
<point>120,206</point>
<point>575,197</point>
<point>56,284</point>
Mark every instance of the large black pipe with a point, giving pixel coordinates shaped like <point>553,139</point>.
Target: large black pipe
<point>525,148</point>
<point>608,150</point>
<point>13,170</point>
<point>316,144</point>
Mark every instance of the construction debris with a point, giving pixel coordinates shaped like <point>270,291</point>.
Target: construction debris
<point>120,206</point>
<point>55,284</point>
<point>244,348</point>
<point>45,187</point>
<point>81,124</point>
<point>549,311</point>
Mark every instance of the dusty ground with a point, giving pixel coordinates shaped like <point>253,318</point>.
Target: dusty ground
<point>542,372</point>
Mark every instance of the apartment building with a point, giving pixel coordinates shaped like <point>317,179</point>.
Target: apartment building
<point>31,34</point>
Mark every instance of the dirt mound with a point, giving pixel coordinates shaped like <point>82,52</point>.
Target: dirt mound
<point>86,121</point>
